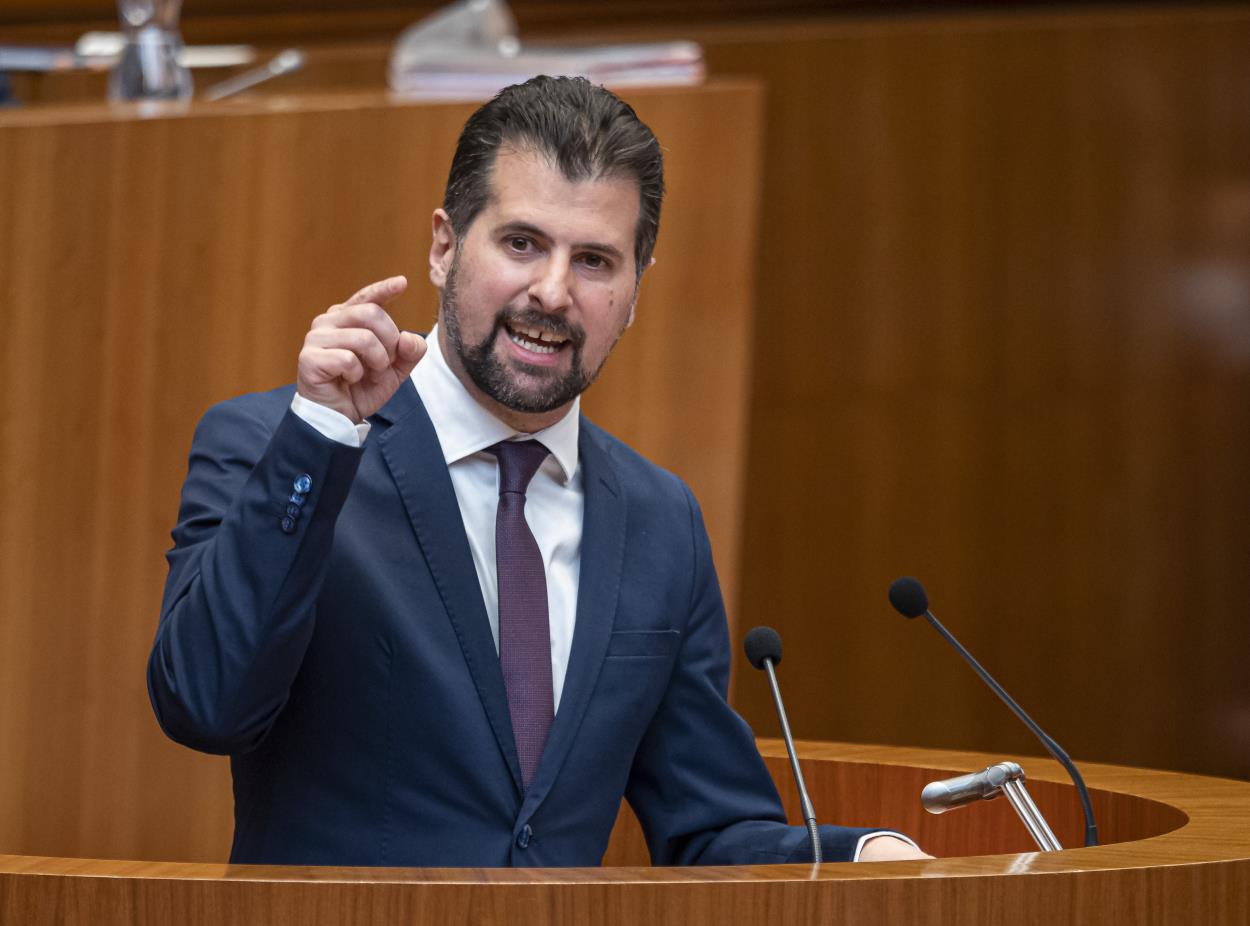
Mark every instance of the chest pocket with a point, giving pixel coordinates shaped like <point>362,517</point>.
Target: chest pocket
<point>643,644</point>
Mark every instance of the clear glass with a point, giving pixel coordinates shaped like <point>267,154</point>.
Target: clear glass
<point>148,68</point>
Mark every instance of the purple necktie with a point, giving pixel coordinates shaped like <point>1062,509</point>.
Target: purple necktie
<point>524,632</point>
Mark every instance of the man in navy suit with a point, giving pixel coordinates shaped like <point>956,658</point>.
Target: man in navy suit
<point>412,654</point>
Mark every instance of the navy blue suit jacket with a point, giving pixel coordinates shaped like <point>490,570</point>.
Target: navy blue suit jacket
<point>343,660</point>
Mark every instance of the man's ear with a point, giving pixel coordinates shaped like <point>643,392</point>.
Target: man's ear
<point>442,248</point>
<point>633,306</point>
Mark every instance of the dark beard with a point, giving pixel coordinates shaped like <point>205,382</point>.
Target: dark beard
<point>490,374</point>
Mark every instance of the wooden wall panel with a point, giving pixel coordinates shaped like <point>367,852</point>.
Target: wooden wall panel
<point>1003,343</point>
<point>153,266</point>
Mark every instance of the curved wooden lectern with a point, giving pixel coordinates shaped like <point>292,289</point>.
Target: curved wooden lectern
<point>1176,849</point>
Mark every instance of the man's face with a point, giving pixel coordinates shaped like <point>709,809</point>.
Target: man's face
<point>537,291</point>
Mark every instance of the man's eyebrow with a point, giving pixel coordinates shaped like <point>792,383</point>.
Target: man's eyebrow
<point>526,228</point>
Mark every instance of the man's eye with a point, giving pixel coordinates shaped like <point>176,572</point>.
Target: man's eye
<point>594,261</point>
<point>519,243</point>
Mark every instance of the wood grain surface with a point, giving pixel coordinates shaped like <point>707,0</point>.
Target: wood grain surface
<point>153,266</point>
<point>1188,861</point>
<point>1002,342</point>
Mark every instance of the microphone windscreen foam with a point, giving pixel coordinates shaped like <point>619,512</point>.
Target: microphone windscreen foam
<point>908,597</point>
<point>762,643</point>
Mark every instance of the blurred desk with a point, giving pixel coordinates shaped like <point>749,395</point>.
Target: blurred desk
<point>347,67</point>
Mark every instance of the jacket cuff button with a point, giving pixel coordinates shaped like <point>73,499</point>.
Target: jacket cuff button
<point>287,525</point>
<point>302,484</point>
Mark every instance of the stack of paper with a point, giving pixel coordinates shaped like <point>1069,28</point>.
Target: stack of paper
<point>470,51</point>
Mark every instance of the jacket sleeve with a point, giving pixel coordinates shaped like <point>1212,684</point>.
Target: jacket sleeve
<point>255,526</point>
<point>698,785</point>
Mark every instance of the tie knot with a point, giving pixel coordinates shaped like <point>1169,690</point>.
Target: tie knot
<point>518,462</point>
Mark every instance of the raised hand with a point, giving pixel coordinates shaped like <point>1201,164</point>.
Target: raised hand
<point>354,356</point>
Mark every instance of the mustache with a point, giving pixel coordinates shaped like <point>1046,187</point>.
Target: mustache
<point>533,318</point>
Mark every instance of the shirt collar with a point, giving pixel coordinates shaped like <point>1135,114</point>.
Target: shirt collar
<point>464,427</point>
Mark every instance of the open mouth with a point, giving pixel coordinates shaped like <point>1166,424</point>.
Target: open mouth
<point>536,340</point>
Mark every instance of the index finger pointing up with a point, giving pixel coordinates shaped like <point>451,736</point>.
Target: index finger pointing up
<point>381,292</point>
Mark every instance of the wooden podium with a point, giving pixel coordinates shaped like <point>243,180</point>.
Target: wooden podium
<point>154,264</point>
<point>1176,850</point>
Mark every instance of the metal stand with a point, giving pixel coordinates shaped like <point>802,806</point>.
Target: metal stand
<point>1032,818</point>
<point>1004,778</point>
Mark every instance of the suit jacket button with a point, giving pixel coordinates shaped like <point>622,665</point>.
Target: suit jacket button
<point>303,484</point>
<point>287,525</point>
<point>523,837</point>
<point>296,498</point>
<point>293,512</point>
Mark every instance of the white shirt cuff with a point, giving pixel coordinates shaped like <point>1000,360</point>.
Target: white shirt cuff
<point>330,423</point>
<point>863,841</point>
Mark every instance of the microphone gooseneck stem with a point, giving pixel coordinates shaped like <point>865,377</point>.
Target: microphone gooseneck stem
<point>1091,830</point>
<point>805,802</point>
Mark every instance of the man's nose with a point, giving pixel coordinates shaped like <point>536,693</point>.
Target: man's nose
<point>551,283</point>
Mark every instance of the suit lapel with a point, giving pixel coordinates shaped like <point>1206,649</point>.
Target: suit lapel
<point>410,449</point>
<point>599,582</point>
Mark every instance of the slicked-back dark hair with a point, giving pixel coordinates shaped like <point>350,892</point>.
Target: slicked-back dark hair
<point>587,131</point>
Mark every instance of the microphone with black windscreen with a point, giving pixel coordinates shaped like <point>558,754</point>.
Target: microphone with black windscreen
<point>763,649</point>
<point>909,598</point>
